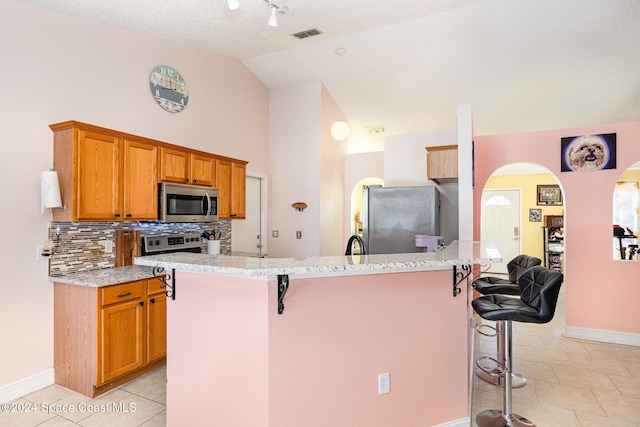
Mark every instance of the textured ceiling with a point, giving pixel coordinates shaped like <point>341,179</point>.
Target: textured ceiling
<point>523,65</point>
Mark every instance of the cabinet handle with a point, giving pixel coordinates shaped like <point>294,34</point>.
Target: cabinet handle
<point>194,181</point>
<point>124,295</point>
<point>186,180</point>
<point>128,215</point>
<point>116,215</point>
<point>232,215</point>
<point>141,303</point>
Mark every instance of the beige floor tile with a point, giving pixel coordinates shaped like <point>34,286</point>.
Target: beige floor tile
<point>563,344</point>
<point>623,408</point>
<point>609,351</point>
<point>23,413</point>
<point>568,397</point>
<point>632,366</point>
<point>135,411</point>
<point>159,420</point>
<point>576,377</point>
<point>590,420</point>
<point>628,386</point>
<point>150,385</point>
<point>605,366</point>
<point>546,415</point>
<point>58,422</point>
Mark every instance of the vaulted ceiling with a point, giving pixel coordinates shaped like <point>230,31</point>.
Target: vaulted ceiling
<point>407,64</point>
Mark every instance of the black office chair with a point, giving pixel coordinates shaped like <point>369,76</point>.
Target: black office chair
<point>497,285</point>
<point>539,289</point>
<point>355,238</point>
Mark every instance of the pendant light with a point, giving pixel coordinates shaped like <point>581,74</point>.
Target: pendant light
<point>233,4</point>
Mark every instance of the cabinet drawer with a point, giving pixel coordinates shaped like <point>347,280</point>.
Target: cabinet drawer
<point>123,292</point>
<point>156,286</point>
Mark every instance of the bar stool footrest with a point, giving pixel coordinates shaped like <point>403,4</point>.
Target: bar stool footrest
<point>496,418</point>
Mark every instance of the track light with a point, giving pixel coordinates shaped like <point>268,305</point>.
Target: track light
<point>233,4</point>
<point>273,17</point>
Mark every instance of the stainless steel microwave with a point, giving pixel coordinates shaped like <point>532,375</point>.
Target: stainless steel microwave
<point>187,203</point>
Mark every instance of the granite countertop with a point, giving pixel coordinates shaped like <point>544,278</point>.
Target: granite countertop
<point>456,254</point>
<point>106,276</point>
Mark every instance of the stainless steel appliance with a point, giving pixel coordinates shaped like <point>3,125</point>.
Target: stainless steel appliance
<point>187,203</point>
<point>393,216</point>
<point>156,245</point>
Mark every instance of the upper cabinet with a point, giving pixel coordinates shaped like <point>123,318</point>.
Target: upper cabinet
<point>442,163</point>
<point>231,184</point>
<point>106,175</point>
<point>184,167</point>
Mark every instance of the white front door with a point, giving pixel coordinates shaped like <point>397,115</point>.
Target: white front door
<point>500,224</point>
<point>246,233</point>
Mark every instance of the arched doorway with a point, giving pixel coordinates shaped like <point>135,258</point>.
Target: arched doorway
<point>521,212</point>
<point>356,203</point>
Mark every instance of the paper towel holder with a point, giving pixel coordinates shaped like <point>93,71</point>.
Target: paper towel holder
<point>50,191</point>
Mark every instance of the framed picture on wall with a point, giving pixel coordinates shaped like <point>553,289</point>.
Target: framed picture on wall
<point>535,215</point>
<point>588,152</point>
<point>549,195</point>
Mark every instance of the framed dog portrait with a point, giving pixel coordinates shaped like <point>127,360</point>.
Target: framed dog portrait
<point>588,152</point>
<point>549,195</point>
<point>535,215</point>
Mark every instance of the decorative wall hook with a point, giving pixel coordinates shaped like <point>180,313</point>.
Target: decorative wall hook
<point>299,206</point>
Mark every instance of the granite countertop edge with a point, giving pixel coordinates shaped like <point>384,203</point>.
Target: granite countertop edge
<point>106,276</point>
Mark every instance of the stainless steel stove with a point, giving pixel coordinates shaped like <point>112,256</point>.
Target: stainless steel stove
<point>186,242</point>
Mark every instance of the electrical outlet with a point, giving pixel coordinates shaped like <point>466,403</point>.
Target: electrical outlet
<point>298,234</point>
<point>274,233</point>
<point>384,383</point>
<point>108,246</point>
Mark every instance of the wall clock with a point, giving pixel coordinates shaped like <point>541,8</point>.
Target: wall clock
<point>169,88</point>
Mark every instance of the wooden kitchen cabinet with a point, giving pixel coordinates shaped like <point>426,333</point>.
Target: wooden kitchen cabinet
<point>107,175</point>
<point>442,163</point>
<point>187,168</point>
<point>231,184</point>
<point>104,337</point>
<point>104,176</point>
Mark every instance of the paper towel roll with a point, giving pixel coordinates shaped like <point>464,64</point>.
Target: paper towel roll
<point>50,190</point>
<point>213,247</point>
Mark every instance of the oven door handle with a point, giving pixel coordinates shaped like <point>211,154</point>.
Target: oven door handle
<point>206,202</point>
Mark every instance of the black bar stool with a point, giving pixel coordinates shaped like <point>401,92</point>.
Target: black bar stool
<point>497,285</point>
<point>539,289</point>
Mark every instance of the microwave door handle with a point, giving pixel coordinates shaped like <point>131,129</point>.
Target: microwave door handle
<point>205,202</point>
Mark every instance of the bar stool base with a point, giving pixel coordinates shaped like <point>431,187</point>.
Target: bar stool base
<point>495,377</point>
<point>496,418</point>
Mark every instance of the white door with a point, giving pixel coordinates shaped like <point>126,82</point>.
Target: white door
<point>246,236</point>
<point>500,224</point>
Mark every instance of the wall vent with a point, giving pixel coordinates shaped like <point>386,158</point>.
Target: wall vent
<point>307,33</point>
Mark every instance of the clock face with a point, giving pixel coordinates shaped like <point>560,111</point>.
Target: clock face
<point>168,88</point>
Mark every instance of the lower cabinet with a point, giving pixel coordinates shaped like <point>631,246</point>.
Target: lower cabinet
<point>104,337</point>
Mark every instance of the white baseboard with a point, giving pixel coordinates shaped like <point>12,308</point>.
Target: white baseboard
<point>462,422</point>
<point>602,335</point>
<point>27,385</point>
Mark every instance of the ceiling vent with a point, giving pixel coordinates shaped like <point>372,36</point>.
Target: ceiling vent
<point>307,33</point>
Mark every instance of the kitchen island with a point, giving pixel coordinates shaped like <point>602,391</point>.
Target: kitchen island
<point>292,342</point>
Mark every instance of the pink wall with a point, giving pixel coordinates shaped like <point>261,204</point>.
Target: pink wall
<point>602,294</point>
<point>317,362</point>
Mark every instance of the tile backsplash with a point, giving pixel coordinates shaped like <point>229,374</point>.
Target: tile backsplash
<point>80,246</point>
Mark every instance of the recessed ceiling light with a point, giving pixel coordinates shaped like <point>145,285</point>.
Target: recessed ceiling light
<point>341,51</point>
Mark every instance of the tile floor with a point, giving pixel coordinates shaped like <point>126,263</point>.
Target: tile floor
<point>141,402</point>
<point>571,383</point>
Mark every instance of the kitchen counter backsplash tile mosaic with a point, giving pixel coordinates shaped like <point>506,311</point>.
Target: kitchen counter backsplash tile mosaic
<point>80,246</point>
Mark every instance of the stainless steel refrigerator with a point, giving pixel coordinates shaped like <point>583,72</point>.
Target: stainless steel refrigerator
<point>393,216</point>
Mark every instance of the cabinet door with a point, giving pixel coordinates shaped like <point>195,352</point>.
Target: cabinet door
<point>223,183</point>
<point>122,332</point>
<point>156,326</point>
<point>140,189</point>
<point>203,170</point>
<point>98,171</point>
<point>238,190</point>
<point>174,165</point>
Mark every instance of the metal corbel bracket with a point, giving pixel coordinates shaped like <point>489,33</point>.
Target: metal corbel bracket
<point>459,276</point>
<point>171,291</point>
<point>283,287</point>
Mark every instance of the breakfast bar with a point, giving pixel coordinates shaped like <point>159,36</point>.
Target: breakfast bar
<point>291,342</point>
